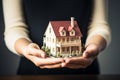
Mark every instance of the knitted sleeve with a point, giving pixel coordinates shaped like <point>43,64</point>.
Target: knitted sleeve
<point>15,26</point>
<point>99,24</point>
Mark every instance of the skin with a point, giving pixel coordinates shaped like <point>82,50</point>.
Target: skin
<point>95,45</point>
<point>33,53</point>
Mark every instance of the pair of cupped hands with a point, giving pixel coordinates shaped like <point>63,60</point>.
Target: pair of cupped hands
<point>39,58</point>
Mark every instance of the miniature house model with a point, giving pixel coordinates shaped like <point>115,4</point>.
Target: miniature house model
<point>63,38</point>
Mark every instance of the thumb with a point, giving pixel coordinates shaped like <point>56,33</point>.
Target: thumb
<point>36,51</point>
<point>86,54</point>
<point>91,51</point>
<point>39,53</point>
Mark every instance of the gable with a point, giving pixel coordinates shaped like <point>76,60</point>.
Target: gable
<point>49,31</point>
<point>62,31</point>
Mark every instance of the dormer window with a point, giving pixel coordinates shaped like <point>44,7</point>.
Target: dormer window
<point>62,31</point>
<point>72,32</point>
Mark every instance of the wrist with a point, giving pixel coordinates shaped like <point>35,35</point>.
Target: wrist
<point>95,45</point>
<point>98,41</point>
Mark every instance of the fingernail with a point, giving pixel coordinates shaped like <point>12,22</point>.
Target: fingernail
<point>85,55</point>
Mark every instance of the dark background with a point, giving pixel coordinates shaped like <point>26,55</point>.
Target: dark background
<point>109,59</point>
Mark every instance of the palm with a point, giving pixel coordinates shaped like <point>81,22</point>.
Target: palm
<point>84,61</point>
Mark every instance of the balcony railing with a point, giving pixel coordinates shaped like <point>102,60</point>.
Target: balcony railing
<point>70,43</point>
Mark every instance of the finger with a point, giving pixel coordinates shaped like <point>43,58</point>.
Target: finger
<point>91,51</point>
<point>73,66</point>
<point>77,61</point>
<point>46,61</point>
<point>43,54</point>
<point>39,53</point>
<point>34,45</point>
<point>88,54</point>
<point>58,65</point>
<point>31,48</point>
<point>36,52</point>
<point>51,61</point>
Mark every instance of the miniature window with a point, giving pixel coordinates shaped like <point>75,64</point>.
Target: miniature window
<point>77,48</point>
<point>47,39</point>
<point>67,39</point>
<point>72,38</point>
<point>63,39</point>
<point>63,33</point>
<point>59,39</point>
<point>72,32</point>
<point>77,38</point>
<point>58,49</point>
<point>53,49</point>
<point>63,49</point>
<point>68,49</point>
<point>53,40</point>
<point>49,30</point>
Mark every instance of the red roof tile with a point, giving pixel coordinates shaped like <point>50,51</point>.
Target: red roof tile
<point>61,28</point>
<point>66,24</point>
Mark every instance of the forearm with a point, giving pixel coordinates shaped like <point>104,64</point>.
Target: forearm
<point>99,32</point>
<point>15,27</point>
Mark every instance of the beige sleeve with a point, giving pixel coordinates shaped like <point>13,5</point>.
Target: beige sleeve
<point>99,24</point>
<point>15,26</point>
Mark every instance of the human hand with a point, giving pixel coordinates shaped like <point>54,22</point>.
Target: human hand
<point>85,60</point>
<point>38,57</point>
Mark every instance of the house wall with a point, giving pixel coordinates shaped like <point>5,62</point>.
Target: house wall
<point>50,43</point>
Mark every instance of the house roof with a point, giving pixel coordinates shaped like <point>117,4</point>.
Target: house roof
<point>56,25</point>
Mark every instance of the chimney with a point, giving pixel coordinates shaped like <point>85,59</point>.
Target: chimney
<point>72,21</point>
